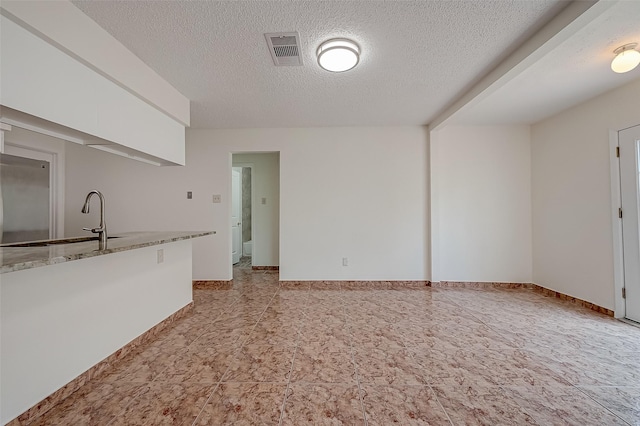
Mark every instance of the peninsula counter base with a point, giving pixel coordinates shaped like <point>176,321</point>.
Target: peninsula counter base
<point>60,320</point>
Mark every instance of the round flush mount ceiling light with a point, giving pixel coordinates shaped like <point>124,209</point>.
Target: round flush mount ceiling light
<point>338,55</point>
<point>627,58</point>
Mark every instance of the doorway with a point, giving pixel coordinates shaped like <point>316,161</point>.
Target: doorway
<point>241,220</point>
<point>29,200</point>
<point>255,210</point>
<point>236,215</point>
<point>629,143</point>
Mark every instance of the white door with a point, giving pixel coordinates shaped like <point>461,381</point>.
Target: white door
<point>236,214</point>
<point>629,141</point>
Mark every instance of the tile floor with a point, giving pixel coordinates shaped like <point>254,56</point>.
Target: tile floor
<point>258,354</point>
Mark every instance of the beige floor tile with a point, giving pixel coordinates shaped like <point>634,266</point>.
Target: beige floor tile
<point>368,335</point>
<point>314,364</point>
<point>391,366</point>
<point>273,334</point>
<point>261,364</point>
<point>323,404</point>
<point>226,338</point>
<point>325,334</point>
<point>95,404</point>
<point>475,405</point>
<point>402,405</point>
<point>244,404</point>
<point>198,365</point>
<point>565,405</point>
<point>622,401</point>
<point>166,404</point>
<point>143,365</point>
<point>402,356</point>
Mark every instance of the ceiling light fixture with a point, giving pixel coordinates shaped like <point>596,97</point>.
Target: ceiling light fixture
<point>627,58</point>
<point>338,54</point>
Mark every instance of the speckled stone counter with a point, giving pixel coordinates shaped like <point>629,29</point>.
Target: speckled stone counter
<point>20,258</point>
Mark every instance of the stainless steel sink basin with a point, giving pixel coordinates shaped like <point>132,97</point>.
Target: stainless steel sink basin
<point>46,243</point>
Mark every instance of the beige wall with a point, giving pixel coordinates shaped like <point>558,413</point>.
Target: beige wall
<point>571,195</point>
<point>481,204</point>
<point>360,193</point>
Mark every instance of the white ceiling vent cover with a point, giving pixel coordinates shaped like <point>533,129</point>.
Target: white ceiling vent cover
<point>284,48</point>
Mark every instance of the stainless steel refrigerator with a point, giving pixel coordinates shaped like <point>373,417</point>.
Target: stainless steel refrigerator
<point>24,199</point>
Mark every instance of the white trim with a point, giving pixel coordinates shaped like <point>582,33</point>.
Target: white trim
<point>434,223</point>
<point>616,223</point>
<point>229,212</point>
<point>3,128</point>
<point>233,200</point>
<point>253,203</point>
<point>39,129</point>
<point>630,322</point>
<point>52,159</point>
<point>113,149</point>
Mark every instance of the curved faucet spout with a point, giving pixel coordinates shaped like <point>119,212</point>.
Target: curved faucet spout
<point>101,230</point>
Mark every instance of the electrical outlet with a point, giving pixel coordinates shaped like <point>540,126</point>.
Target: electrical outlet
<point>217,198</point>
<point>264,200</point>
<point>345,261</point>
<point>189,195</point>
<point>160,254</point>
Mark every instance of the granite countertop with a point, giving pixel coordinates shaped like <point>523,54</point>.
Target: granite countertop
<point>19,258</point>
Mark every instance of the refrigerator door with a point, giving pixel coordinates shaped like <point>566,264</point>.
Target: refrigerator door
<point>24,199</point>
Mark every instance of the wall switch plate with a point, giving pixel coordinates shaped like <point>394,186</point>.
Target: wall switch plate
<point>345,261</point>
<point>189,195</point>
<point>264,200</point>
<point>217,198</point>
<point>160,255</point>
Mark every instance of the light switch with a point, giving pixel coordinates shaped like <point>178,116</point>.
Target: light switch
<point>264,200</point>
<point>217,198</point>
<point>189,195</point>
<point>160,255</point>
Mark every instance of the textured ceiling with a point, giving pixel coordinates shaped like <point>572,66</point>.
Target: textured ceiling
<point>578,69</point>
<point>417,56</point>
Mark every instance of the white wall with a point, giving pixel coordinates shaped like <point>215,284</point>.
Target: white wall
<point>141,197</point>
<point>360,193</point>
<point>481,204</point>
<point>265,218</point>
<point>572,224</point>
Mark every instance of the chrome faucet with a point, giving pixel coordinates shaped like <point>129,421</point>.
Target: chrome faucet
<point>102,229</point>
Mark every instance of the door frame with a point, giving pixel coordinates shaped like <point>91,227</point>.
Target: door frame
<point>255,201</point>
<point>616,223</point>
<point>233,201</point>
<point>253,204</point>
<point>31,139</point>
<point>56,210</point>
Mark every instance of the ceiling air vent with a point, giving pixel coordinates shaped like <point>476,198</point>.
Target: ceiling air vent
<point>284,48</point>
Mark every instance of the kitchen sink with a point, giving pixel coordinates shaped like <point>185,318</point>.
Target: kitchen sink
<point>45,243</point>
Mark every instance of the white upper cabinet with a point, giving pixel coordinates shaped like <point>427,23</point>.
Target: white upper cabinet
<point>39,79</point>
